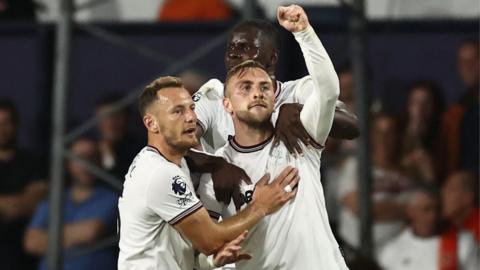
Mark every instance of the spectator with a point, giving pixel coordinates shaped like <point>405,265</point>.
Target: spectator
<point>117,146</point>
<point>21,188</point>
<point>420,143</point>
<point>192,80</point>
<point>389,186</point>
<point>419,245</point>
<point>89,215</point>
<point>460,123</point>
<point>460,198</point>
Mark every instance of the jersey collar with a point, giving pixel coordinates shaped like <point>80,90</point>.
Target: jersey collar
<point>248,149</point>
<point>278,90</point>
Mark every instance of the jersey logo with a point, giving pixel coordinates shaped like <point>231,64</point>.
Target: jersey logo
<point>178,185</point>
<point>196,97</point>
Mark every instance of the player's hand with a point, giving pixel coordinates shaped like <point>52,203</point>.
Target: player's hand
<point>270,197</point>
<point>293,18</point>
<point>289,129</point>
<point>230,252</point>
<point>227,179</point>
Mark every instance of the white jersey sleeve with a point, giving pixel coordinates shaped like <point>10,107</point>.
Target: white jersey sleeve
<point>319,109</point>
<point>207,101</point>
<point>169,195</point>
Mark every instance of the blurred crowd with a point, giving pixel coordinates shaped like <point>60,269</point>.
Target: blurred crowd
<point>425,165</point>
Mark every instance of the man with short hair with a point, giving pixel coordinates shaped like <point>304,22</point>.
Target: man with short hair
<point>298,236</point>
<point>22,186</point>
<point>161,218</point>
<point>259,40</point>
<point>459,200</point>
<point>419,246</point>
<point>89,216</point>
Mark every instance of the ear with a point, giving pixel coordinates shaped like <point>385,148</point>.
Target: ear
<point>274,58</point>
<point>228,105</point>
<point>151,123</point>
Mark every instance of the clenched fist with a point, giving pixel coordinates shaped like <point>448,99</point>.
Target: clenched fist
<point>293,18</point>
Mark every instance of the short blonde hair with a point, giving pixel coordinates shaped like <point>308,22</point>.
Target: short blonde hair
<point>149,94</point>
<point>240,69</point>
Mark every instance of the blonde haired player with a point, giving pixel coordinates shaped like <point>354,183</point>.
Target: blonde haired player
<point>162,220</point>
<point>298,236</point>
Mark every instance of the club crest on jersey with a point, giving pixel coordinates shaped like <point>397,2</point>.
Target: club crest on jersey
<point>178,185</point>
<point>196,97</point>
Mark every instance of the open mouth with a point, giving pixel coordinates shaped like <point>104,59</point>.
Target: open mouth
<point>190,131</point>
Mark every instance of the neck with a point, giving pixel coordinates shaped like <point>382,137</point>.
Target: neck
<point>459,219</point>
<point>81,193</point>
<point>172,154</point>
<point>420,234</point>
<point>247,135</point>
<point>7,154</point>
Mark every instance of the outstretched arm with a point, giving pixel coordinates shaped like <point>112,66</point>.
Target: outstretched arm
<point>318,111</point>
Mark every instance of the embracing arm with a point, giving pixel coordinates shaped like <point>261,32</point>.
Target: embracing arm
<point>267,199</point>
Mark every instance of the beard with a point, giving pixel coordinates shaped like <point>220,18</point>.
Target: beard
<point>180,142</point>
<point>260,120</point>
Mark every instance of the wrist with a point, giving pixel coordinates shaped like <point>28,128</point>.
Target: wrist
<point>257,209</point>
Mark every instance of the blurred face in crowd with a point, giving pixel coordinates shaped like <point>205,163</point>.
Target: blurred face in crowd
<point>192,81</point>
<point>172,117</point>
<point>423,212</point>
<point>249,97</point>
<point>7,129</point>
<point>112,126</point>
<point>346,86</point>
<point>251,44</point>
<point>87,150</point>
<point>468,64</point>
<point>420,106</point>
<point>457,194</point>
<point>384,136</point>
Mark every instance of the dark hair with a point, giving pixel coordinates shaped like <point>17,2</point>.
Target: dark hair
<point>241,68</point>
<point>149,94</point>
<point>266,28</point>
<point>438,106</point>
<point>426,188</point>
<point>9,106</point>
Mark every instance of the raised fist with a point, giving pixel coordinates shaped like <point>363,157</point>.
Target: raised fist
<point>293,18</point>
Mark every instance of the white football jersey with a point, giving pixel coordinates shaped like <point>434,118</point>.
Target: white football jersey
<point>298,236</point>
<point>410,252</point>
<point>156,195</point>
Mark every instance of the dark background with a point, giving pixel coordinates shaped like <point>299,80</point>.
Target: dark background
<point>399,53</point>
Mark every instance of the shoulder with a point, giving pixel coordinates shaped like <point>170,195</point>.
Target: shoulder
<point>213,89</point>
<point>391,249</point>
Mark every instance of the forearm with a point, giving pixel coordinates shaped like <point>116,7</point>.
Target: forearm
<point>345,125</point>
<point>318,111</point>
<point>201,162</point>
<point>36,242</point>
<point>22,204</point>
<point>84,232</point>
<point>232,227</point>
